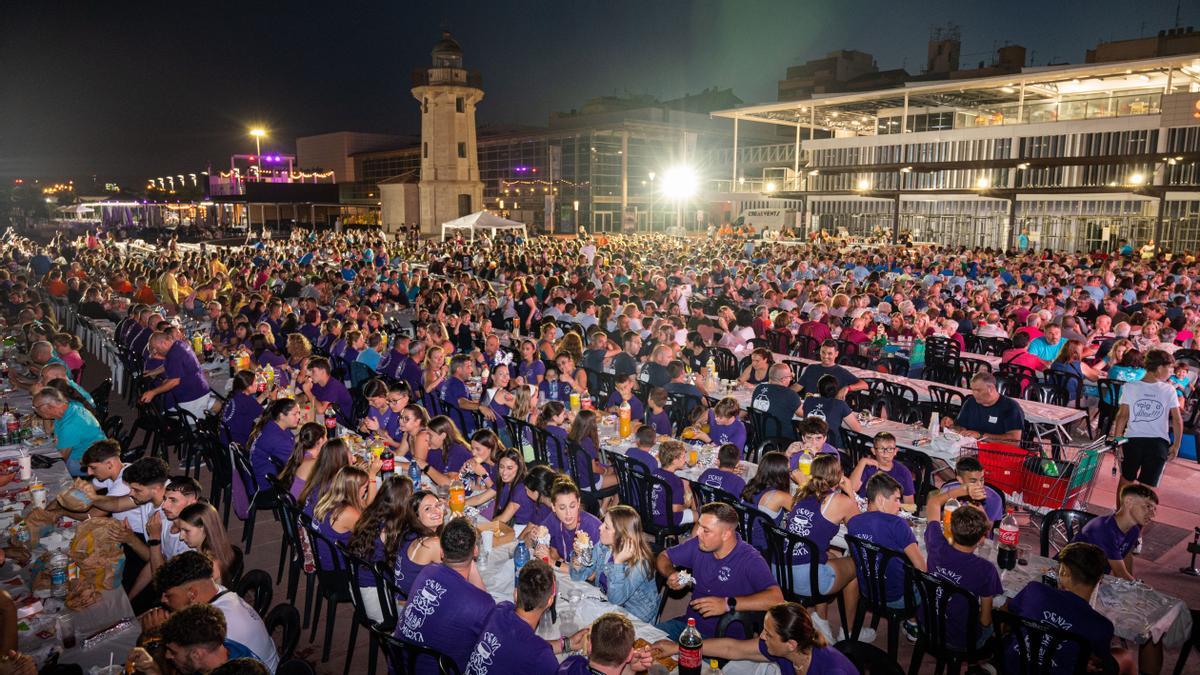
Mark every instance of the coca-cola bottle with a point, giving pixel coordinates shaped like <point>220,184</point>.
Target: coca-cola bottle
<point>690,644</point>
<point>1007,538</point>
<point>387,464</point>
<point>331,422</point>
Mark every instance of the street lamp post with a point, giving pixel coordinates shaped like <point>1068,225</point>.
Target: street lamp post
<point>576,216</point>
<point>679,183</point>
<point>258,133</point>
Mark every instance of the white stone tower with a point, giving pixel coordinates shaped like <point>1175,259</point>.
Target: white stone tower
<point>450,185</point>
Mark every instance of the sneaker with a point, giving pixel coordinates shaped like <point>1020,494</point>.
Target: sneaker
<point>822,626</point>
<point>911,630</point>
<point>866,635</point>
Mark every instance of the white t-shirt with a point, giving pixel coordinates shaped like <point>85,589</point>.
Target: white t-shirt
<point>171,543</point>
<point>1150,405</point>
<point>245,627</point>
<point>117,487</point>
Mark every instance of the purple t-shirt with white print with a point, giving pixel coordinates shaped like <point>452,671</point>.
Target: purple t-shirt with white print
<point>743,572</point>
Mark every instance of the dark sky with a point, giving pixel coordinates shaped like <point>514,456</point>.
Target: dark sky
<point>133,89</point>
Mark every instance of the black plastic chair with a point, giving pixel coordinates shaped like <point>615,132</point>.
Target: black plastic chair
<point>707,494</point>
<point>383,597</point>
<point>1024,375</point>
<point>751,622</point>
<point>579,467</point>
<point>1192,642</point>
<point>333,587</point>
<point>857,445</point>
<point>1038,642</point>
<point>286,618</point>
<point>996,346</point>
<point>921,467</point>
<point>258,584</point>
<point>797,368</point>
<point>726,362</point>
<point>100,395</point>
<point>295,667</point>
<point>639,488</point>
<point>1060,527</point>
<point>854,361</point>
<point>681,407</point>
<point>871,560</point>
<point>1110,403</point>
<point>950,645</point>
<point>806,347</point>
<point>753,525</point>
<point>782,545</point>
<point>402,658</point>
<point>945,402</point>
<point>264,499</point>
<point>520,433</point>
<point>775,444</point>
<point>869,659</point>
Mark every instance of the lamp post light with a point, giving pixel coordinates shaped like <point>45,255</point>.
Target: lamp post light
<point>679,183</point>
<point>576,204</point>
<point>258,133</point>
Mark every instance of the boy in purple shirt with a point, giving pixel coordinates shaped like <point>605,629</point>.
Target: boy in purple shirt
<point>724,476</point>
<point>324,391</point>
<point>883,461</point>
<point>968,472</point>
<point>728,574</point>
<point>672,457</point>
<point>813,434</point>
<point>508,642</point>
<point>445,610</point>
<point>1080,567</point>
<point>1117,535</point>
<point>643,452</point>
<point>882,525</point>
<point>956,562</point>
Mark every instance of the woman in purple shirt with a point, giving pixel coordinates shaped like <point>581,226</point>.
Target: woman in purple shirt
<point>584,432</point>
<point>448,450</point>
<point>505,494</point>
<point>569,526</point>
<point>552,418</point>
<point>241,409</point>
<point>310,439</point>
<point>530,370</point>
<point>271,441</point>
<point>382,418</point>
<point>419,545</point>
<point>337,512</point>
<point>538,483</point>
<point>788,639</point>
<point>377,537</point>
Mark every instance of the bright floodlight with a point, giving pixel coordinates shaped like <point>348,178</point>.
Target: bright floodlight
<point>1137,179</point>
<point>983,183</point>
<point>863,184</point>
<point>679,183</point>
<point>770,187</point>
<point>258,132</point>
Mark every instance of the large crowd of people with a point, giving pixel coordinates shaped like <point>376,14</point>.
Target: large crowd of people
<point>472,362</point>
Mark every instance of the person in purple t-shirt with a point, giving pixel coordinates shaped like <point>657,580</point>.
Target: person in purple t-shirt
<point>724,425</point>
<point>883,461</point>
<point>725,475</point>
<point>326,392</point>
<point>453,391</point>
<point>448,603</point>
<point>1118,535</point>
<point>788,639</point>
<point>671,458</point>
<point>728,574</point>
<point>272,440</point>
<point>814,432</point>
<point>646,438</point>
<point>611,640</point>
<point>957,563</point>
<point>969,474</point>
<point>509,642</point>
<point>182,376</point>
<point>883,526</point>
<point>570,527</point>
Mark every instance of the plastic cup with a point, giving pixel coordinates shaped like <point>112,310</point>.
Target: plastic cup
<point>65,627</point>
<point>489,538</point>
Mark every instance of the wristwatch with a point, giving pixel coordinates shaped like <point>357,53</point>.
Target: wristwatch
<point>153,542</point>
<point>732,602</point>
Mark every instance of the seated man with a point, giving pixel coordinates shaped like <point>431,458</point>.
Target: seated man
<point>775,399</point>
<point>728,573</point>
<point>448,604</point>
<point>847,381</point>
<point>611,639</point>
<point>882,525</point>
<point>195,641</point>
<point>1080,567</point>
<point>986,415</point>
<point>75,428</point>
<point>956,561</point>
<point>325,390</point>
<point>509,642</point>
<point>1120,533</point>
<point>186,580</point>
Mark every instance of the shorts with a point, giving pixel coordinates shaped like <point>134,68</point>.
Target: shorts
<point>801,579</point>
<point>1143,460</point>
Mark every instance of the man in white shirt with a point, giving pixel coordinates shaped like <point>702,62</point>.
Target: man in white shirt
<point>102,461</point>
<point>187,579</point>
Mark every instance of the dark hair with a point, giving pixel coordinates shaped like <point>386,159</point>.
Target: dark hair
<point>101,451</point>
<point>275,409</point>
<point>186,486</point>
<point>535,585</point>
<point>793,624</point>
<point>374,388</point>
<point>1086,562</point>
<point>385,516</point>
<point>814,426</point>
<point>241,381</point>
<point>1139,490</point>
<point>182,569</point>
<point>1021,340</point>
<point>772,474</point>
<point>968,525</point>
<point>722,512</point>
<point>518,480</point>
<point>308,436</point>
<point>882,485</point>
<point>563,485</point>
<point>968,465</point>
<point>827,386</point>
<point>319,362</point>
<point>612,638</point>
<point>458,541</point>
<point>646,435</point>
<point>195,625</point>
<point>1157,358</point>
<point>146,471</point>
<point>728,456</point>
<point>540,479</point>
<point>242,666</point>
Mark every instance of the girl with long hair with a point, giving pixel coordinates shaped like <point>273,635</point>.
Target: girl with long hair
<point>309,442</point>
<point>242,408</point>
<point>530,369</point>
<point>585,432</point>
<point>333,457</point>
<point>201,529</point>
<point>434,368</point>
<point>510,500</point>
<point>338,511</point>
<point>414,425</point>
<point>479,472</point>
<point>419,545</point>
<point>298,349</point>
<point>538,483</point>
<point>770,489</point>
<point>622,564</point>
<point>377,536</point>
<point>447,452</point>
<point>381,420</point>
<point>271,441</point>
<point>524,404</point>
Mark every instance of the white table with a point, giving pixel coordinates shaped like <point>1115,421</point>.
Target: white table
<point>612,442</point>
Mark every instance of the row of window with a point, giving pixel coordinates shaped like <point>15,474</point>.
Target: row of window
<point>967,150</point>
<point>1136,142</point>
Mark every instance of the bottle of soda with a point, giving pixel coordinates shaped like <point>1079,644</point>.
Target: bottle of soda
<point>331,430</point>
<point>387,463</point>
<point>520,558</point>
<point>690,644</point>
<point>1008,537</point>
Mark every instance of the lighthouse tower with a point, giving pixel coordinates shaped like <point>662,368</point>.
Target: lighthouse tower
<point>450,185</point>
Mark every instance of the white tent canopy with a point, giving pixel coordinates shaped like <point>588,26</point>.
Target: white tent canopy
<point>482,220</point>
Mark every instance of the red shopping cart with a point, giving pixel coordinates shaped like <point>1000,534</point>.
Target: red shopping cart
<point>1041,476</point>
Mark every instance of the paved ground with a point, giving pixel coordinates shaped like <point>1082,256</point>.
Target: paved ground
<point>1180,504</point>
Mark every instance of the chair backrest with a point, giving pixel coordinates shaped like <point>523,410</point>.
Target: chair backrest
<point>402,657</point>
<point>782,548</point>
<point>1069,385</point>
<point>939,348</point>
<point>579,467</point>
<point>361,568</point>
<point>327,554</point>
<point>773,444</point>
<point>943,632</point>
<point>996,346</point>
<point>681,407</point>
<point>630,480</point>
<point>854,361</point>
<point>765,426</point>
<point>1038,644</point>
<point>971,366</point>
<point>360,373</point>
<point>1024,375</point>
<point>857,445</point>
<point>797,368</point>
<point>284,617</point>
<point>707,494</point>
<point>726,362</point>
<point>100,395</point>
<point>901,391</point>
<point>1045,392</point>
<point>806,347</point>
<point>1059,528</point>
<point>872,563</point>
<point>1110,394</point>
<point>946,370</point>
<point>753,525</point>
<point>260,587</point>
<point>921,467</point>
<point>521,433</point>
<point>869,659</point>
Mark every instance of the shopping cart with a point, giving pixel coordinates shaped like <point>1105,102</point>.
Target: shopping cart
<point>1040,476</point>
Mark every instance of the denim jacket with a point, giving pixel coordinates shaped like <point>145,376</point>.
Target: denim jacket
<point>629,586</point>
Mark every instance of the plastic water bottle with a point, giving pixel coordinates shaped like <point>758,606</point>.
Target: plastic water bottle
<point>935,425</point>
<point>520,558</point>
<point>58,574</point>
<point>414,472</point>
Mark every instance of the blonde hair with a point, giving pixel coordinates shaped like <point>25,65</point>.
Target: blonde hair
<point>298,346</point>
<point>627,527</point>
<point>669,451</point>
<point>345,490</point>
<point>522,402</point>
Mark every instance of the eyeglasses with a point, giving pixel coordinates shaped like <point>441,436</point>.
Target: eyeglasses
<point>395,400</point>
<point>885,448</point>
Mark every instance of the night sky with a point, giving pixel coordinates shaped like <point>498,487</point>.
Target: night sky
<point>130,89</point>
